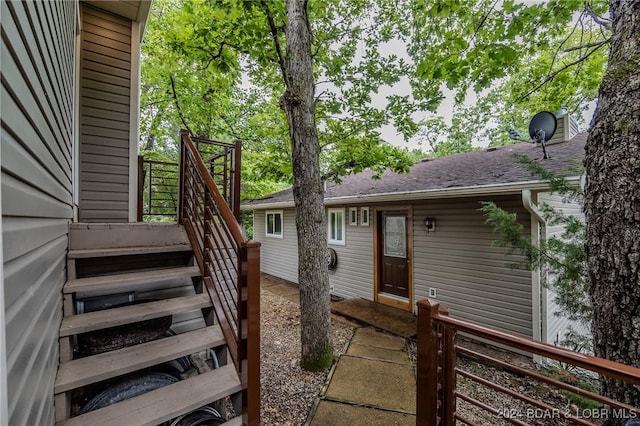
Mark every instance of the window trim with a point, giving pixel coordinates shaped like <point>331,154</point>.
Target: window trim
<point>341,242</point>
<point>266,223</point>
<point>353,220</point>
<point>362,215</point>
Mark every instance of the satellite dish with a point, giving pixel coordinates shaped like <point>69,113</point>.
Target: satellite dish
<point>542,126</point>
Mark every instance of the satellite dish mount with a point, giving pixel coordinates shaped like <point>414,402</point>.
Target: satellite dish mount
<point>541,128</point>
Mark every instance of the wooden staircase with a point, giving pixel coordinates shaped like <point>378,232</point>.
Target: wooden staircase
<point>140,261</point>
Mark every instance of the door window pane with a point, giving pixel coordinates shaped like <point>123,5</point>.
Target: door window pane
<point>395,236</point>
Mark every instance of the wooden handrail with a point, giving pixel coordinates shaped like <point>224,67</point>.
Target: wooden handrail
<point>436,367</point>
<point>226,212</point>
<point>230,266</point>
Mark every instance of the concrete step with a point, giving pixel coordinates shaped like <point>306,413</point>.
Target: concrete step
<point>166,403</point>
<point>133,281</point>
<point>84,371</point>
<point>92,321</point>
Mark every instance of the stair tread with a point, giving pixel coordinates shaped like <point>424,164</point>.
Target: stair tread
<point>165,403</point>
<point>92,321</point>
<point>124,251</point>
<point>236,421</point>
<point>93,369</point>
<point>129,281</point>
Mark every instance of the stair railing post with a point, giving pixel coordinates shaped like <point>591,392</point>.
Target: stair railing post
<point>140,188</point>
<point>249,299</point>
<point>235,184</point>
<point>427,365</point>
<point>183,175</point>
<point>448,389</point>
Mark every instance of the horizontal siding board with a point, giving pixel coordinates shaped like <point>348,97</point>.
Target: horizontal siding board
<point>24,235</point>
<point>102,95</point>
<point>21,199</point>
<point>97,27</point>
<point>100,123</point>
<point>104,196</point>
<point>469,273</point>
<point>110,118</point>
<point>105,120</point>
<point>106,105</point>
<point>38,355</point>
<point>103,150</point>
<point>106,20</point>
<point>107,160</point>
<point>278,257</point>
<point>21,113</point>
<point>38,78</point>
<point>105,51</point>
<point>104,171</point>
<point>121,69</point>
<point>19,162</point>
<point>105,205</point>
<point>557,324</point>
<point>105,186</point>
<point>111,44</point>
<point>20,272</point>
<point>104,216</point>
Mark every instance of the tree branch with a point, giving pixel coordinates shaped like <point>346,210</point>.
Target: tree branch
<point>552,75</point>
<point>175,99</point>
<point>214,57</point>
<point>603,22</point>
<point>274,35</point>
<point>587,45</point>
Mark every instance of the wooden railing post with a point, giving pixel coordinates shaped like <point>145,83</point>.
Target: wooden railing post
<point>448,372</point>
<point>140,187</point>
<point>235,185</point>
<point>183,169</point>
<point>250,279</point>
<point>427,365</point>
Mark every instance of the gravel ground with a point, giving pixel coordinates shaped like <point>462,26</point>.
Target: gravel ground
<point>288,392</point>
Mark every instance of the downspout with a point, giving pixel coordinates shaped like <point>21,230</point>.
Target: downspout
<point>538,297</point>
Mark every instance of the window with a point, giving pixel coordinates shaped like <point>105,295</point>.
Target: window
<point>273,224</point>
<point>353,216</point>
<point>364,216</point>
<point>336,226</point>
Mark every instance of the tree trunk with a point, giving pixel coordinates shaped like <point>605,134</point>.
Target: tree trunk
<point>612,203</point>
<point>313,276</point>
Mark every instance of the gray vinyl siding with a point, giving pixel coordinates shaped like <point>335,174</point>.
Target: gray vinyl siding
<point>105,119</point>
<point>557,324</point>
<point>37,119</point>
<point>278,256</point>
<point>471,276</point>
<point>353,274</point>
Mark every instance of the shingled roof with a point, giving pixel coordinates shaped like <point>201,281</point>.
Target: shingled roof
<point>490,171</point>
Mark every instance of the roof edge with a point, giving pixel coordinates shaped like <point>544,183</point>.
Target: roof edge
<point>464,191</point>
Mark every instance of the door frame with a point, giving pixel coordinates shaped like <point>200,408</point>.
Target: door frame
<point>377,250</point>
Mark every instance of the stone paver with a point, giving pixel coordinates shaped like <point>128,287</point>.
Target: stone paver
<point>370,337</point>
<point>375,383</point>
<point>383,354</point>
<point>334,413</point>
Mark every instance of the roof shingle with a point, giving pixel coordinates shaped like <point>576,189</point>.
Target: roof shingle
<point>493,166</point>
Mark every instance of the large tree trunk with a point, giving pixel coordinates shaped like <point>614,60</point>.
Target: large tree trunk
<point>313,276</point>
<point>612,203</point>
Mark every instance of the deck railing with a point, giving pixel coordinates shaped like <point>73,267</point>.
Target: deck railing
<point>230,266</point>
<point>157,189</point>
<point>158,180</point>
<point>437,374</point>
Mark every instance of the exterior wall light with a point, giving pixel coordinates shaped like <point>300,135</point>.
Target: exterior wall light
<point>430,224</point>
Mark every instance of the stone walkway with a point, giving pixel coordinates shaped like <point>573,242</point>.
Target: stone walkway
<point>373,383</point>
